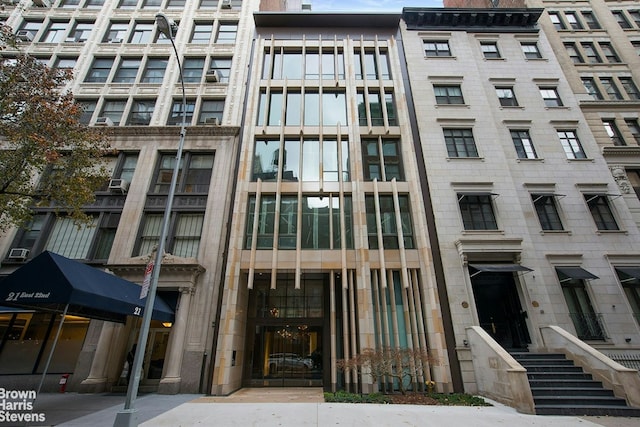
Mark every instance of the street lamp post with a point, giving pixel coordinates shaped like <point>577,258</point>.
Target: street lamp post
<point>127,417</point>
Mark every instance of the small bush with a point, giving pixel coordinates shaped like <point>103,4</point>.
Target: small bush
<point>346,397</point>
<point>457,399</point>
<point>454,399</point>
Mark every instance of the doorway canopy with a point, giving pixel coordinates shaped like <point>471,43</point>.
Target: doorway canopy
<point>51,282</point>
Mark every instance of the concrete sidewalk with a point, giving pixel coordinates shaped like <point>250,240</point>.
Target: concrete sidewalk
<point>286,408</point>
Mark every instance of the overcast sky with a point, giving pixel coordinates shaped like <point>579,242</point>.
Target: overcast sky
<point>370,5</point>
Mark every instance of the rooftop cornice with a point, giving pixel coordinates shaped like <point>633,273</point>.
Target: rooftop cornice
<point>494,20</point>
<point>322,19</point>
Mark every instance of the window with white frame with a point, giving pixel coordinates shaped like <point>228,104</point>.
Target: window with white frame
<point>88,108</point>
<point>573,21</point>
<point>523,144</point>
<point>116,33</point>
<point>183,235</point>
<point>621,19</point>
<point>590,19</point>
<point>141,112</point>
<point>142,33</point>
<point>435,48</point>
<point>194,175</point>
<point>609,52</point>
<point>68,62</point>
<point>506,96</point>
<point>113,110</point>
<point>571,144</point>
<point>222,65</point>
<point>591,54</point>
<point>530,50</point>
<point>557,21</point>
<point>227,33</point>
<point>202,32</point>
<point>550,97</point>
<point>634,129</point>
<point>99,71</point>
<point>154,70</point>
<point>192,70</point>
<point>490,50</point>
<point>611,88</point>
<point>448,94</point>
<point>574,53</point>
<point>127,70</point>
<point>460,142</point>
<point>629,87</point>
<point>176,116</point>
<point>592,88</point>
<point>614,133</point>
<point>80,32</point>
<point>211,111</point>
<point>56,32</point>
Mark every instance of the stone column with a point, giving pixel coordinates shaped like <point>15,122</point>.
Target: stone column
<point>170,384</point>
<point>96,382</point>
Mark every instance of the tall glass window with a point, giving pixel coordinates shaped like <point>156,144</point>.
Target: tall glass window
<point>388,222</point>
<point>381,159</point>
<point>266,221</point>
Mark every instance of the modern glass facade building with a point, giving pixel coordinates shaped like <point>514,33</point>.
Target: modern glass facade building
<point>349,182</point>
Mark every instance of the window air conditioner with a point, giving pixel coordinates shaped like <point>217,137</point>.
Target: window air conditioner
<point>25,35</point>
<point>226,4</point>
<point>18,254</point>
<point>118,185</point>
<point>115,40</point>
<point>103,121</point>
<point>213,76</point>
<point>212,121</point>
<point>42,3</point>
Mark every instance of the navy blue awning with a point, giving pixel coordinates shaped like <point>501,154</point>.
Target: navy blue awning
<point>50,281</point>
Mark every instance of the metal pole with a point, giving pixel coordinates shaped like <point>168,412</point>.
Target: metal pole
<point>53,347</point>
<point>127,417</point>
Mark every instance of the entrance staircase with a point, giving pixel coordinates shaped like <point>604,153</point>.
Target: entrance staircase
<point>561,388</point>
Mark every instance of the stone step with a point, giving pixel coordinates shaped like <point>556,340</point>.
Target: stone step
<point>580,410</point>
<point>571,391</point>
<point>579,400</point>
<point>581,375</point>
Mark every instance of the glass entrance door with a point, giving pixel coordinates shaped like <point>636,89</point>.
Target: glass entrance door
<point>285,332</point>
<point>288,355</point>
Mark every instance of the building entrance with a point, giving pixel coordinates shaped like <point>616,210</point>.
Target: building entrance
<point>499,309</point>
<point>285,333</point>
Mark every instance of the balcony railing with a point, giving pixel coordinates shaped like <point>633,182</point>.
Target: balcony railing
<point>589,326</point>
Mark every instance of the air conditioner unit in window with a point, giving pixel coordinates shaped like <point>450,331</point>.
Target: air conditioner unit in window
<point>103,121</point>
<point>118,185</point>
<point>42,3</point>
<point>115,40</point>
<point>213,76</point>
<point>226,4</point>
<point>18,254</point>
<point>25,35</point>
<point>212,121</point>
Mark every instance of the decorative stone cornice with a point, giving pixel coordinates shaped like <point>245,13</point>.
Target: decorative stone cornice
<point>171,130</point>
